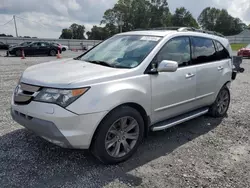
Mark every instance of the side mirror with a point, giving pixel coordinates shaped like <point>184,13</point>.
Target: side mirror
<point>167,66</point>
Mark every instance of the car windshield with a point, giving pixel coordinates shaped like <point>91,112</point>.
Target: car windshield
<point>24,43</point>
<point>122,51</point>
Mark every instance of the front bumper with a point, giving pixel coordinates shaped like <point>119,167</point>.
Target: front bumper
<point>56,124</point>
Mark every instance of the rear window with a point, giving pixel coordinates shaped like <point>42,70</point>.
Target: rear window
<point>203,50</point>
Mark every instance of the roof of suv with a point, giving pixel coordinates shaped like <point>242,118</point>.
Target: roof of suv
<point>163,33</point>
<point>160,33</point>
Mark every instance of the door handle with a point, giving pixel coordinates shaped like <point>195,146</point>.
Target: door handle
<point>220,68</point>
<point>189,75</point>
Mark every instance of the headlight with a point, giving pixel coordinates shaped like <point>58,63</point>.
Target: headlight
<point>59,96</point>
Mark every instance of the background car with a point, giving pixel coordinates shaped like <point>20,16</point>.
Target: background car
<point>4,46</point>
<point>36,48</point>
<point>63,47</point>
<point>244,52</point>
<point>20,44</point>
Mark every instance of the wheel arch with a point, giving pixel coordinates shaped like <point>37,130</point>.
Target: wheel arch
<point>139,108</point>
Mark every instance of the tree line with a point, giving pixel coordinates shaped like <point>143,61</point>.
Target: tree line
<point>127,15</point>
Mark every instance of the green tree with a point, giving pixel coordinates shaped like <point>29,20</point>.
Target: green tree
<point>160,15</point>
<point>183,17</point>
<point>66,34</point>
<point>97,33</point>
<point>101,33</point>
<point>138,14</point>
<point>77,31</point>
<point>220,21</point>
<point>208,18</point>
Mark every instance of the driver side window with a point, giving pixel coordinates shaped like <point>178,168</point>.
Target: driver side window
<point>176,49</point>
<point>37,44</point>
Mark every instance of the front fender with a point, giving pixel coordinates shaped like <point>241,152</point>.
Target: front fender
<point>107,96</point>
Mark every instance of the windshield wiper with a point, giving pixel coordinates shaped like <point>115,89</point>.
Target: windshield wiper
<point>101,63</point>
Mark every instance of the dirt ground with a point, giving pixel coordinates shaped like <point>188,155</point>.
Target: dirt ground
<point>204,152</point>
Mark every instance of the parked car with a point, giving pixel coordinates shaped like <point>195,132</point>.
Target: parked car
<point>4,46</point>
<point>35,48</point>
<point>244,52</point>
<point>107,99</point>
<point>63,47</point>
<point>20,44</point>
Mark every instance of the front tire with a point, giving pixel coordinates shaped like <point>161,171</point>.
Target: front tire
<point>221,104</point>
<point>18,53</point>
<point>118,135</point>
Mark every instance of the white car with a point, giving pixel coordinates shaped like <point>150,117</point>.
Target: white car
<point>63,47</point>
<point>107,99</point>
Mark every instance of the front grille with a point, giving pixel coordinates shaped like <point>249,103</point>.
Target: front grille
<point>24,93</point>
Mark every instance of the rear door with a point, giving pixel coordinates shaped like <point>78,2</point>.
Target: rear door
<point>44,48</point>
<point>208,70</point>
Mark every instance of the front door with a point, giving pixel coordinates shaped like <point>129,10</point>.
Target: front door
<point>174,92</point>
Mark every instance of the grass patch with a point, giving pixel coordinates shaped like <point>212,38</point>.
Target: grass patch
<point>236,47</point>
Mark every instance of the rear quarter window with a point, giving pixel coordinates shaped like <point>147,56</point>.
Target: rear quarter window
<point>222,52</point>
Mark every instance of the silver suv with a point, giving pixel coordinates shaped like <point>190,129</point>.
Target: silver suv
<point>107,99</point>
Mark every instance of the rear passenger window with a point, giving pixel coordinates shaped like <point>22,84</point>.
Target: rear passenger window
<point>177,49</point>
<point>203,50</point>
<point>222,53</point>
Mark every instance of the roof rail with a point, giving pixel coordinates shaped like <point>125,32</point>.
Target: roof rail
<point>158,28</point>
<point>182,29</point>
<point>200,30</point>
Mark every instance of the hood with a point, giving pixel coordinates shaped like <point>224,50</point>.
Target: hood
<point>69,73</point>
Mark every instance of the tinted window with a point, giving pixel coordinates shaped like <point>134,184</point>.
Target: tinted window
<point>44,44</point>
<point>177,49</point>
<point>1,43</point>
<point>36,44</point>
<point>222,53</point>
<point>203,50</point>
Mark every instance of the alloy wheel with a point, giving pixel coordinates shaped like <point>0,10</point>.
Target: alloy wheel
<point>223,101</point>
<point>122,137</point>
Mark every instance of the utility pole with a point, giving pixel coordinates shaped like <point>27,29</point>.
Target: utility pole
<point>14,17</point>
<point>121,23</point>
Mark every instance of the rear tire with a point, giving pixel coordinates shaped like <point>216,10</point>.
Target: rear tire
<point>220,106</point>
<point>52,53</point>
<point>118,135</point>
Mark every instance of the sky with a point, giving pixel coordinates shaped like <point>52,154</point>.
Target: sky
<point>46,18</point>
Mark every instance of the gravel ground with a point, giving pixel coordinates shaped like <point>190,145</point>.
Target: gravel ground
<point>204,152</point>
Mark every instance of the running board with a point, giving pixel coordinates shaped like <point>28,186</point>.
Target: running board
<point>179,119</point>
